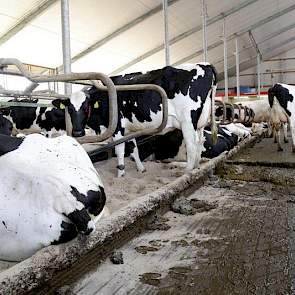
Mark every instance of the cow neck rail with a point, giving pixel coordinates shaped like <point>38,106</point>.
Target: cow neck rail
<point>109,86</point>
<point>7,104</point>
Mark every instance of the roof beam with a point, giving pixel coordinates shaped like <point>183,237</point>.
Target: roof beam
<point>196,29</point>
<point>121,30</point>
<point>27,18</point>
<point>269,37</point>
<point>242,32</point>
<point>254,44</point>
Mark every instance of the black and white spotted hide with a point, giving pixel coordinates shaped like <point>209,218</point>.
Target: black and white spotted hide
<point>50,192</point>
<point>190,90</point>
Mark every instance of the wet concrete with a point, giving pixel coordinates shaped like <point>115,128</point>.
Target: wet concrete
<point>245,245</point>
<point>265,153</point>
<point>273,175</point>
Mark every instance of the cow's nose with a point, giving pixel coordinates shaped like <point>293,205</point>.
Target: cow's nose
<point>78,133</point>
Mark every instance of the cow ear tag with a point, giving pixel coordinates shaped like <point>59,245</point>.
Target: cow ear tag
<point>96,105</point>
<point>62,106</point>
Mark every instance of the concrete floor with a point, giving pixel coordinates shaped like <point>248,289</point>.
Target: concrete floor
<point>265,153</point>
<point>244,246</point>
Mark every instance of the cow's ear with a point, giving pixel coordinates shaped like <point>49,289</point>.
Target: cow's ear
<point>61,103</point>
<point>96,105</point>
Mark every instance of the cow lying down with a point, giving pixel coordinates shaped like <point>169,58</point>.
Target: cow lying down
<point>49,190</point>
<point>171,145</point>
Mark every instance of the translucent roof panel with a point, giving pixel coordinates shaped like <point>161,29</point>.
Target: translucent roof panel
<point>137,32</point>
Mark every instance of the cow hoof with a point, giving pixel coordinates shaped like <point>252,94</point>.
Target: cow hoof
<point>280,149</point>
<point>90,227</point>
<point>286,140</point>
<point>143,171</point>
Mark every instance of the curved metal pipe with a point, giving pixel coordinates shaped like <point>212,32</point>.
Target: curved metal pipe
<point>112,94</point>
<point>110,87</point>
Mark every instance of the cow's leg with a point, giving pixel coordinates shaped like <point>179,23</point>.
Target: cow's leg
<point>199,145</point>
<point>189,135</point>
<point>120,151</point>
<point>136,158</point>
<point>275,136</point>
<point>277,133</point>
<point>292,129</point>
<point>285,129</point>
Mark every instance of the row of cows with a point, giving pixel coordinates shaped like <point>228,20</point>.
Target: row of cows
<point>50,189</point>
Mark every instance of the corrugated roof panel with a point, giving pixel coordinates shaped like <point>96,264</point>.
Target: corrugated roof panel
<point>11,11</point>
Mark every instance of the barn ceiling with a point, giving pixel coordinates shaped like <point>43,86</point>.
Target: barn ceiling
<point>114,36</point>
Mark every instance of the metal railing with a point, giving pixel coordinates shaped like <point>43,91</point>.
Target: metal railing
<point>225,106</point>
<point>91,78</point>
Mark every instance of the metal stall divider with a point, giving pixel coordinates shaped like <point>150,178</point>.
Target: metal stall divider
<point>92,76</point>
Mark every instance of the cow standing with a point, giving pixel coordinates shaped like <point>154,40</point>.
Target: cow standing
<point>282,104</point>
<point>49,189</point>
<point>190,90</point>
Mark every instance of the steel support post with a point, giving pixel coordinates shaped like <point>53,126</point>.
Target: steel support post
<point>237,68</point>
<point>258,76</point>
<point>166,32</point>
<point>204,29</point>
<point>225,63</point>
<point>66,49</point>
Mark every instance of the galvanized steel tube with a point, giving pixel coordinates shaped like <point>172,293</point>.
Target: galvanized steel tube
<point>258,76</point>
<point>66,50</point>
<point>237,68</point>
<point>204,29</point>
<point>166,32</point>
<point>225,62</point>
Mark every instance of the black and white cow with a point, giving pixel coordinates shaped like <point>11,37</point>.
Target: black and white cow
<point>29,120</point>
<point>6,126</point>
<point>282,112</point>
<point>190,90</point>
<point>49,190</point>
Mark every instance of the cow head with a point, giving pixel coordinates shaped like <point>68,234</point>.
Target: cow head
<point>5,126</point>
<point>79,110</point>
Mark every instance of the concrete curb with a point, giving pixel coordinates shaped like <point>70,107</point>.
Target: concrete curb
<point>43,265</point>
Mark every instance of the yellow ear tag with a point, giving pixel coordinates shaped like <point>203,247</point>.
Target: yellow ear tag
<point>96,105</point>
<point>62,106</point>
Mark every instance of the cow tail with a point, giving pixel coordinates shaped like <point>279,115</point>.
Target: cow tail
<point>271,95</point>
<point>213,93</point>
